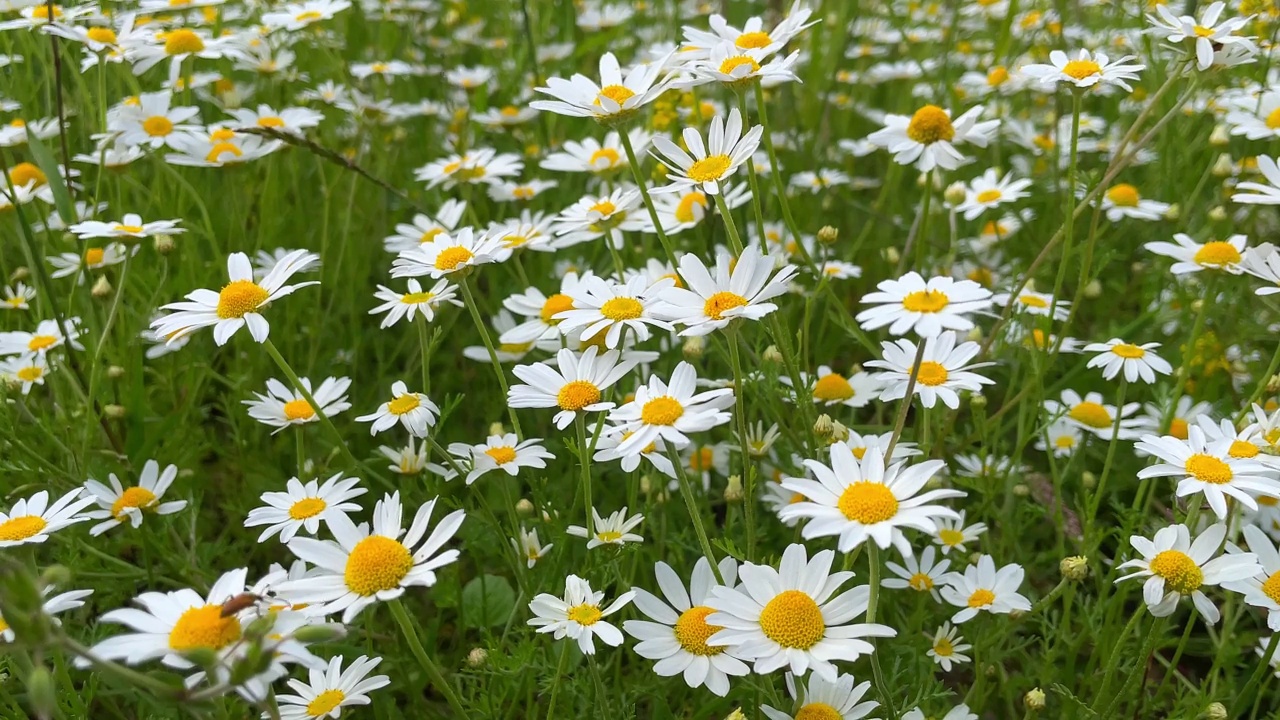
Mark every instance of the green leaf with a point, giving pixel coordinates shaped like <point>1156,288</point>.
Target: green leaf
<point>53,172</point>
<point>489,600</point>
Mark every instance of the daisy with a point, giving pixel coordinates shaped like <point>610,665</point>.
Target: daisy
<point>502,452</point>
<point>478,166</point>
<point>529,547</point>
<point>59,603</point>
<point>413,410</point>
<point>152,121</point>
<point>521,192</point>
<point>362,566</point>
<point>859,444</point>
<point>602,216</point>
<point>221,148</point>
<point>46,337</point>
<point>530,231</point>
<point>953,534</point>
<point>1123,200</point>
<point>613,530</point>
<point>859,499</point>
<point>448,254</point>
<point>791,617</point>
<point>31,520</point>
<point>281,407</point>
<point>612,308</point>
<point>331,689</point>
<point>831,388</point>
<point>752,34</point>
<point>120,505</point>
<point>543,311</point>
<point>1206,34</point>
<point>1137,361</point>
<point>1263,589</point>
<point>302,507</point>
<point>177,46</point>
<point>131,226</point>
<point>408,460</point>
<point>669,412</point>
<point>1172,565</point>
<point>655,453</point>
<point>576,386</point>
<point>1085,70</point>
<point>592,156</point>
<point>1208,467</point>
<point>983,588</point>
<point>1261,194</point>
<point>1034,303</point>
<point>737,67</point>
<point>911,303</point>
<point>291,120</point>
<point>26,371</point>
<point>928,137</point>
<point>677,630</point>
<point>1092,415</point>
<point>738,289</point>
<point>823,699</point>
<point>948,647</point>
<point>1194,257</point>
<point>296,16</point>
<point>922,576</point>
<point>987,192</point>
<point>17,297</point>
<point>578,615</point>
<point>944,370</point>
<point>1263,262</point>
<point>614,100</point>
<point>425,229</point>
<point>959,712</point>
<point>415,302</point>
<point>498,118</point>
<point>237,304</point>
<point>707,166</point>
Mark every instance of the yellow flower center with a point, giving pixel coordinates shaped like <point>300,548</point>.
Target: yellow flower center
<point>204,627</point>
<point>930,124</point>
<point>1091,414</point>
<point>1178,428</point>
<point>793,620</point>
<point>1128,352</point>
<point>94,256</point>
<point>451,257</point>
<point>664,410</point>
<point>981,597</point>
<point>1271,588</point>
<point>501,455</point>
<point>733,63</point>
<point>517,348</point>
<point>106,36</point>
<point>416,298</point>
<point>133,229</point>
<point>942,647</point>
<point>223,148</point>
<point>21,527</point>
<point>709,168</point>
<point>684,211</point>
<point>375,564</point>
<point>41,12</point>
<point>926,301</point>
<point>608,155</point>
<point>1268,500</point>
<point>818,711</point>
<point>584,614</point>
<point>1081,69</point>
<point>403,404</point>
<point>510,111</point>
<point>931,373</point>
<point>298,410</point>
<point>1202,31</point>
<point>950,537</point>
<point>622,308</point>
<point>157,126</point>
<point>1123,195</point>
<point>1180,572</point>
<point>557,303</point>
<point>1209,469</point>
<point>717,305</point>
<point>270,122</point>
<point>1064,441</point>
<point>868,502</point>
<point>692,631</point>
<point>222,135</point>
<point>832,387</point>
<point>522,193</point>
<point>1034,301</point>
<point>702,459</point>
<point>577,394</point>
<point>308,16</point>
<point>430,235</point>
<point>41,342</point>
<point>326,701</point>
<point>135,497</point>
<point>988,196</point>
<point>920,581</point>
<point>1242,449</point>
<point>1217,254</point>
<point>240,298</point>
<point>604,207</point>
<point>1273,119</point>
<point>26,172</point>
<point>997,75</point>
<point>180,42</point>
<point>753,40</point>
<point>617,93</point>
<point>30,373</point>
<point>307,508</point>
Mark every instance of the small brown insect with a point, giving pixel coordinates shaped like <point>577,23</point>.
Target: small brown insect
<point>238,603</point>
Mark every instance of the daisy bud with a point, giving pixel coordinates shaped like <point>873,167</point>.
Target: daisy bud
<point>319,633</point>
<point>839,433</point>
<point>41,692</point>
<point>772,355</point>
<point>974,334</point>
<point>497,429</point>
<point>1174,212</point>
<point>1093,290</point>
<point>1074,568</point>
<point>1219,137</point>
<point>1215,711</point>
<point>1273,384</point>
<point>102,288</point>
<point>974,558</point>
<point>733,491</point>
<point>1137,267</point>
<point>1033,700</point>
<point>977,401</point>
<point>70,239</point>
<point>19,273</point>
<point>524,508</point>
<point>891,255</point>
<point>115,372</point>
<point>828,235</point>
<point>923,178</point>
<point>823,426</point>
<point>646,484</point>
<point>1222,167</point>
<point>1218,213</point>
<point>1021,490</point>
<point>477,657</point>
<point>693,347</point>
<point>186,473</point>
<point>113,412</point>
<point>1088,480</point>
<point>736,715</point>
<point>956,193</point>
<point>165,244</point>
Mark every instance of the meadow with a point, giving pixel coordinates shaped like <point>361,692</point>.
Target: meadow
<point>812,360</point>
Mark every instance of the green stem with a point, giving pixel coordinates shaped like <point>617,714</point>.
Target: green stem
<point>584,459</point>
<point>748,467</point>
<point>906,401</point>
<point>555,681</point>
<point>1114,658</point>
<point>1069,225</point>
<point>882,688</point>
<point>470,302</point>
<point>1242,697</point>
<point>1177,654</point>
<point>775,172</point>
<point>734,240</point>
<point>695,515</point>
<point>429,665</point>
<point>1140,666</point>
<point>648,201</point>
<point>752,178</point>
<point>1111,453</point>
<point>424,343</point>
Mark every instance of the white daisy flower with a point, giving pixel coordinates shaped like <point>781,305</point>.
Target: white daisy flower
<point>959,712</point>
<point>928,137</point>
<point>501,452</point>
<point>948,647</point>
<point>1207,34</point>
<point>982,588</point>
<point>602,216</point>
<point>529,547</point>
<point>128,505</point>
<point>922,576</point>
<point>17,297</point>
<point>859,444</point>
<point>828,387</point>
<point>32,520</point>
<point>1034,303</point>
<point>1193,256</point>
<point>1085,70</point>
<point>290,120</point>
<point>736,67</point>
<point>59,603</point>
<point>94,258</point>
<point>408,460</point>
<point>707,166</point>
<point>1208,467</point>
<point>46,337</point>
<point>670,411</point>
<point>1123,200</point>
<point>1137,361</point>
<point>281,407</point>
<point>25,371</point>
<point>576,386</point>
<point>1263,262</point>
<point>911,303</point>
<point>543,312</point>
<point>413,410</point>
<point>478,166</point>
<point>952,533</point>
<point>130,226</point>
<point>302,507</point>
<point>606,306</point>
<point>296,16</point>
<point>416,301</point>
<point>1263,589</point>
<point>152,121</point>
<point>1173,566</point>
<point>990,191</point>
<point>613,530</point>
<point>655,453</point>
<point>221,148</point>
<point>737,290</point>
<point>333,688</point>
<point>823,699</point>
<point>1091,414</point>
<point>1259,193</point>
<point>615,99</point>
<point>448,254</point>
<point>425,229</point>
<point>944,370</point>
<point>752,34</point>
<point>592,156</point>
<point>578,615</point>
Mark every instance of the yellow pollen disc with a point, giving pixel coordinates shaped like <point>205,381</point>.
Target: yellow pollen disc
<point>94,256</point>
<point>42,12</point>
<point>240,298</point>
<point>430,235</point>
<point>664,410</point>
<point>1217,254</point>
<point>1065,442</point>
<point>221,135</point>
<point>41,342</point>
<point>617,93</point>
<point>730,64</point>
<point>942,647</point>
<point>1091,414</point>
<point>21,528</point>
<point>921,582</point>
<point>1034,301</point>
<point>997,75</point>
<point>793,620</point>
<point>716,305</point>
<point>832,387</point>
<point>577,394</point>
<point>622,308</point>
<point>609,156</point>
<point>557,303</point>
<point>1207,468</point>
<point>1242,449</point>
<point>709,168</point>
<point>326,701</point>
<point>375,564</point>
<point>691,631</point>
<point>403,404</point>
<point>753,40</point>
<point>133,229</point>
<point>106,36</point>
<point>204,627</point>
<point>608,536</point>
<point>157,126</point>
<point>950,537</point>
<point>1178,428</point>
<point>416,298</point>
<point>451,257</point>
<point>501,455</point>
<point>135,497</point>
<point>701,460</point>
<point>674,278</point>
<point>516,348</point>
<point>818,711</point>
<point>926,301</point>
<point>1128,352</point>
<point>1081,69</point>
<point>270,122</point>
<point>1273,119</point>
<point>223,148</point>
<point>1180,572</point>
<point>1268,500</point>
<point>684,211</point>
<point>307,508</point>
<point>1202,31</point>
<point>1123,195</point>
<point>981,598</point>
<point>510,111</point>
<point>180,42</point>
<point>930,124</point>
<point>522,193</point>
<point>30,373</point>
<point>931,373</point>
<point>859,452</point>
<point>308,16</point>
<point>987,196</point>
<point>26,172</point>
<point>868,502</point>
<point>19,122</point>
<point>1271,588</point>
<point>298,410</point>
<point>604,207</point>
<point>584,614</point>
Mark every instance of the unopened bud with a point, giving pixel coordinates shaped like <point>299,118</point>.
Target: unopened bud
<point>646,484</point>
<point>114,412</point>
<point>1273,384</point>
<point>955,194</point>
<point>1137,267</point>
<point>974,334</point>
<point>101,288</point>
<point>1088,480</point>
<point>773,355</point>
<point>1074,568</point>
<point>497,429</point>
<point>693,347</point>
<point>1222,167</point>
<point>891,255</point>
<point>1217,213</point>
<point>19,273</point>
<point>1021,490</point>
<point>974,557</point>
<point>828,235</point>
<point>1219,137</point>
<point>115,372</point>
<point>165,244</point>
<point>733,492</point>
<point>977,401</point>
<point>1173,212</point>
<point>41,692</point>
<point>823,426</point>
<point>736,715</point>
<point>477,657</point>
<point>524,508</point>
<point>1034,700</point>
<point>319,633</point>
<point>1093,289</point>
<point>1215,711</point>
